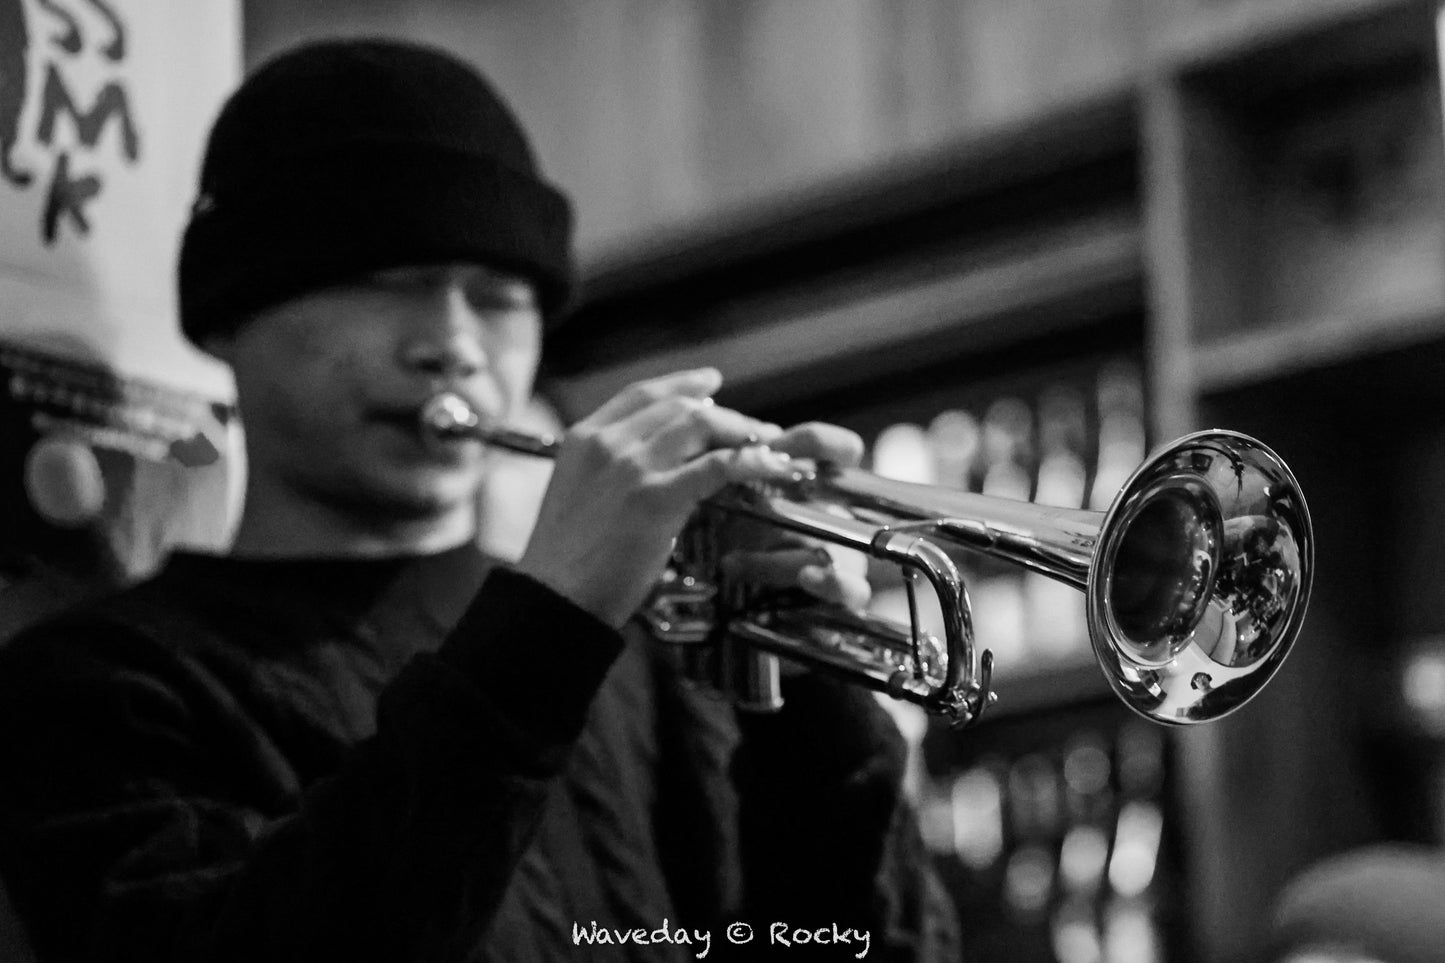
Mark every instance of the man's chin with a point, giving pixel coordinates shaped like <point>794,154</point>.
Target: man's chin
<point>415,498</point>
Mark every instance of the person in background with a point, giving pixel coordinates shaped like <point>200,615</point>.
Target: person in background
<point>1383,903</point>
<point>353,737</point>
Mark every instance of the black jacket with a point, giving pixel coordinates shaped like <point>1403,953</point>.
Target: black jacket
<point>373,760</point>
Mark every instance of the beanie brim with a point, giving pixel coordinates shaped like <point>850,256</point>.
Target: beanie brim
<point>298,227</point>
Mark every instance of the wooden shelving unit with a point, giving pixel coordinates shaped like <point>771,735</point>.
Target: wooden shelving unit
<point>1259,217</point>
<point>1272,351</point>
<point>1294,200</point>
<point>1192,33</point>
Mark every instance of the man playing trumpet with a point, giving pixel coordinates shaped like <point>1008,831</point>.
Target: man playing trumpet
<point>353,737</point>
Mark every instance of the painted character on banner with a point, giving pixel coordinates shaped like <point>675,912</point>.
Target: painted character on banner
<point>70,39</point>
<point>14,45</point>
<point>14,71</point>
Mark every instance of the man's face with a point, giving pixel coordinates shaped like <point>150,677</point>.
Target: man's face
<point>330,385</point>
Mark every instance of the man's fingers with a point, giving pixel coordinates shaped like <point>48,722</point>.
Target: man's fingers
<point>704,475</point>
<point>642,425</point>
<point>693,383</point>
<point>704,429</point>
<point>670,432</point>
<point>776,567</point>
<point>832,584</point>
<point>822,442</point>
<point>810,568</point>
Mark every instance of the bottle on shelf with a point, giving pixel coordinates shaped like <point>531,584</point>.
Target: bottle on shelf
<point>902,452</point>
<point>1130,911</point>
<point>1131,930</point>
<point>1062,436</point>
<point>954,438</point>
<point>1057,627</point>
<point>1087,772</point>
<point>1121,433</point>
<point>1000,608</point>
<point>1008,436</point>
<point>973,831</point>
<point>1036,819</point>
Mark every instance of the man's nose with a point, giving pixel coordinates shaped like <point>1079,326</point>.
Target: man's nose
<point>447,343</point>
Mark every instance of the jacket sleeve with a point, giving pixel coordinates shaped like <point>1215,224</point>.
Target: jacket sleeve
<point>826,836</point>
<point>122,839</point>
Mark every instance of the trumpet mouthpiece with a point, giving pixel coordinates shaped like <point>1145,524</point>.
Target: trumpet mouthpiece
<point>449,415</point>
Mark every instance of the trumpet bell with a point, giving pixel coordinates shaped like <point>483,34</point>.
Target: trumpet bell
<point>1200,579</point>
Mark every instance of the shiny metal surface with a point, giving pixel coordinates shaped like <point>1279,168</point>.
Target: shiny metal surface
<point>449,415</point>
<point>1246,571</point>
<point>1197,577</point>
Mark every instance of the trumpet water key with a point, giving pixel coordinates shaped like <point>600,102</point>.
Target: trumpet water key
<point>1196,578</point>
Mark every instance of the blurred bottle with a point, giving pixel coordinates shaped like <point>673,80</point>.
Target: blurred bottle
<point>902,452</point>
<point>1062,436</point>
<point>1075,931</point>
<point>1057,625</point>
<point>935,816</point>
<point>1135,856</point>
<point>955,440</point>
<point>1131,931</point>
<point>1034,797</point>
<point>1088,779</point>
<point>1008,435</point>
<point>1000,608</point>
<point>1121,431</point>
<point>1029,881</point>
<point>976,810</point>
<point>1083,860</point>
<point>1036,818</point>
<point>1420,693</point>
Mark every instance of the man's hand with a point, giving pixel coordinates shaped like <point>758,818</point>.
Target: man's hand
<point>770,558</point>
<point>627,478</point>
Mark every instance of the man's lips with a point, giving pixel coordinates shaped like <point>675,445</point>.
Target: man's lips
<point>408,420</point>
<point>408,412</point>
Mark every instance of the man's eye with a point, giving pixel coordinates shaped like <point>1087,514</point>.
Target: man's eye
<point>502,297</point>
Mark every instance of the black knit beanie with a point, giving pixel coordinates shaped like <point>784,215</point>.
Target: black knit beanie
<point>348,156</point>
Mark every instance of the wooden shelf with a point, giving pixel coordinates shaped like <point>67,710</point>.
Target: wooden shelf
<point>962,206</point>
<point>1217,33</point>
<point>1315,200</point>
<point>830,222</point>
<point>1277,351</point>
<point>978,301</point>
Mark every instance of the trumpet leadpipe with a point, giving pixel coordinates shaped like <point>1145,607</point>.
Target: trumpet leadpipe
<point>449,415</point>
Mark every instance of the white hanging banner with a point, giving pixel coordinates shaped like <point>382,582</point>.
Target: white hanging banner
<point>117,438</point>
<point>104,107</point>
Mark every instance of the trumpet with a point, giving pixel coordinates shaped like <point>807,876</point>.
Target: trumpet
<point>1196,578</point>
